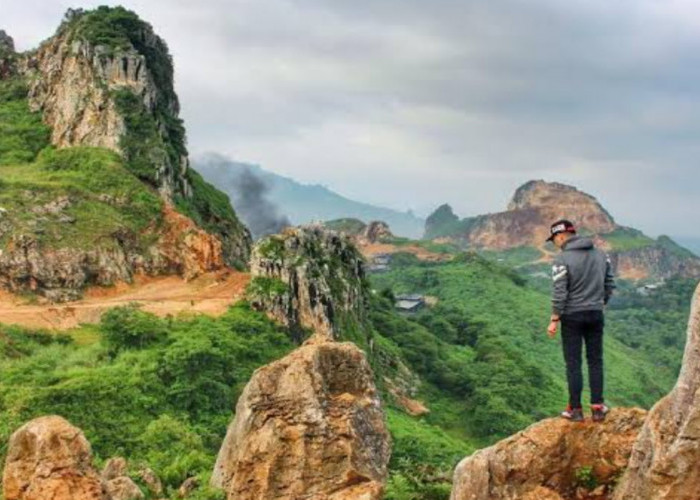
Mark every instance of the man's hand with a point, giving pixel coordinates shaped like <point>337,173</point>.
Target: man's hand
<point>553,325</point>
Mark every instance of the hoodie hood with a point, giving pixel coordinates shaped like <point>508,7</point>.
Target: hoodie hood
<point>578,243</point>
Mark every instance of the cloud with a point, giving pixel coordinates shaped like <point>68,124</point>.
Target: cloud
<point>411,104</point>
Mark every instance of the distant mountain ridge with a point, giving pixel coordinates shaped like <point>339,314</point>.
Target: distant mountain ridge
<point>303,203</point>
<point>536,204</point>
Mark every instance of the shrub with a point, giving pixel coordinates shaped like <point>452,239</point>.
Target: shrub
<point>127,327</point>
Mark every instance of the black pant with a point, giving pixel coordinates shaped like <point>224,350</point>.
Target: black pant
<point>575,328</point>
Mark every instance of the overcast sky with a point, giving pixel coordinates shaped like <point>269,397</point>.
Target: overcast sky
<point>411,104</point>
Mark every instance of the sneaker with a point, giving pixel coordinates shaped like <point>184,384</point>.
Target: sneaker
<point>573,414</point>
<point>599,412</point>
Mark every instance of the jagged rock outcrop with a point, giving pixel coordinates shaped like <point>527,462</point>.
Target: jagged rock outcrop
<point>665,462</point>
<point>75,77</point>
<point>309,278</point>
<point>307,426</point>
<point>440,222</point>
<point>61,274</point>
<point>48,458</point>
<point>361,233</point>
<point>7,56</point>
<point>375,231</point>
<point>542,461</point>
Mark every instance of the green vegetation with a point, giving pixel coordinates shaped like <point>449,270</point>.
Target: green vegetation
<point>22,134</point>
<point>585,477</point>
<point>654,324</point>
<point>266,288</point>
<point>516,375</point>
<point>346,225</point>
<point>78,198</point>
<point>674,248</point>
<point>627,239</point>
<point>514,257</point>
<point>158,391</point>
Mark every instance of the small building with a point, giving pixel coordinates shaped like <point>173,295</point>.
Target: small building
<point>650,288</point>
<point>377,268</point>
<point>379,263</point>
<point>381,259</point>
<point>409,303</point>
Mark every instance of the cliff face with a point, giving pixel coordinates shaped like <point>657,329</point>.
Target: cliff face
<point>309,278</point>
<point>666,457</point>
<point>90,80</point>
<point>533,208</point>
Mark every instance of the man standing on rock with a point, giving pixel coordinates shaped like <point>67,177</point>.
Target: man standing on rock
<point>582,283</point>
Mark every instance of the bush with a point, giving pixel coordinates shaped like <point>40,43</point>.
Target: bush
<point>127,327</point>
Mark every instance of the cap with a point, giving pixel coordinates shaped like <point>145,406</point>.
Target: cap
<point>561,226</point>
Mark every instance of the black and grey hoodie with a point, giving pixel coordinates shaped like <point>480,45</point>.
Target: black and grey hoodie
<point>582,278</point>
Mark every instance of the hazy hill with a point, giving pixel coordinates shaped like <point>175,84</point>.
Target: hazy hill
<point>302,203</point>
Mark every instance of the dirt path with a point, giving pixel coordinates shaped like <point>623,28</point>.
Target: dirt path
<point>209,294</point>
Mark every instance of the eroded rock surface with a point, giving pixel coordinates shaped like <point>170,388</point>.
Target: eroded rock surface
<point>665,462</point>
<point>49,459</point>
<point>309,277</point>
<point>307,426</point>
<point>543,461</point>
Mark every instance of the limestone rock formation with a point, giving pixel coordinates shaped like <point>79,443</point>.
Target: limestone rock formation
<point>76,77</point>
<point>376,231</point>
<point>665,462</point>
<point>309,277</point>
<point>48,458</point>
<point>309,425</point>
<point>7,55</point>
<point>542,461</point>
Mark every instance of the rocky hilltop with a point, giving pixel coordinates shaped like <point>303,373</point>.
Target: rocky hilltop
<point>94,110</point>
<point>309,278</point>
<point>532,209</point>
<point>102,73</point>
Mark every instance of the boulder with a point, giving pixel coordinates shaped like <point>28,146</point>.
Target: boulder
<point>48,458</point>
<point>665,462</point>
<point>544,460</point>
<point>307,426</point>
<point>123,488</point>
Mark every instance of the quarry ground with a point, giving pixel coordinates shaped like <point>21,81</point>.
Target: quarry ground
<point>209,294</point>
